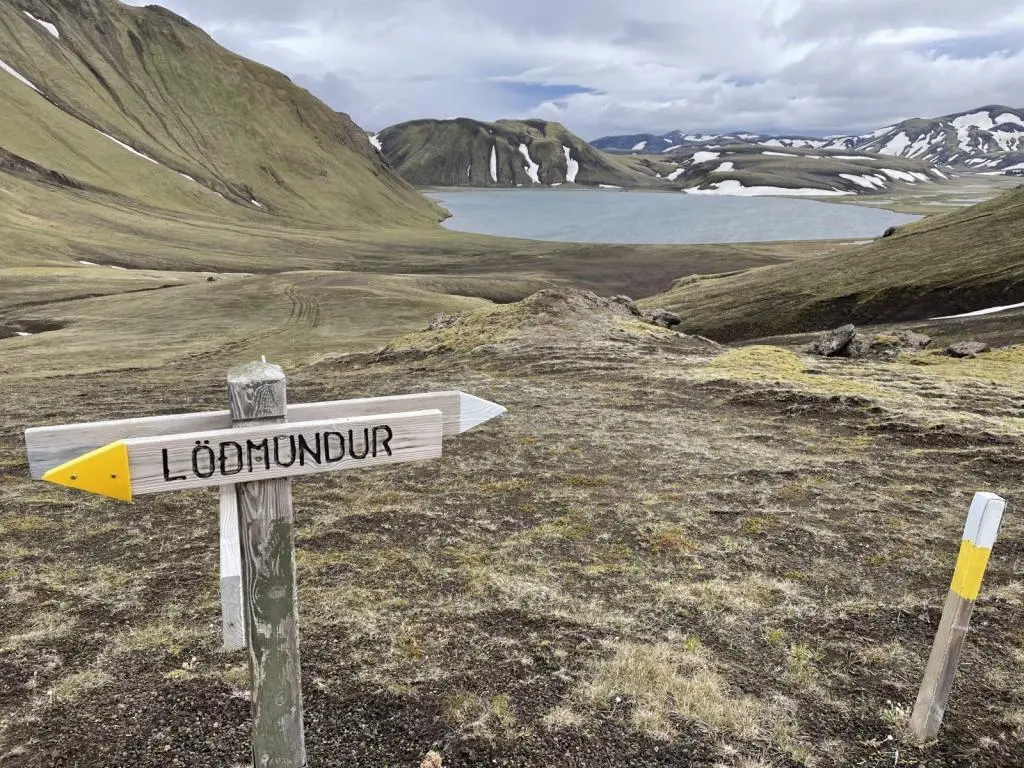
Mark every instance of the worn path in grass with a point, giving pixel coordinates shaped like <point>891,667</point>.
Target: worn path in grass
<point>666,552</point>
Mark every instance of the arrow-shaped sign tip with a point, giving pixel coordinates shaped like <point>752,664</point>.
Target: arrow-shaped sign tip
<point>103,471</point>
<point>474,411</point>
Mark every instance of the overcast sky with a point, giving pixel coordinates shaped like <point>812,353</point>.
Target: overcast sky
<point>623,66</point>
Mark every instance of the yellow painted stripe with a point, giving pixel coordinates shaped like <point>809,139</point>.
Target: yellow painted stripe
<point>970,568</point>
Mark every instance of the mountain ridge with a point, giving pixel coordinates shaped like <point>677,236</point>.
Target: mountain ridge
<point>990,137</point>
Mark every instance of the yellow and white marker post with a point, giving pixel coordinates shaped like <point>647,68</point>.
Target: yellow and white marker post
<point>980,534</point>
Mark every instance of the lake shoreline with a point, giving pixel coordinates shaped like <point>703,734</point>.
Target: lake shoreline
<point>585,215</point>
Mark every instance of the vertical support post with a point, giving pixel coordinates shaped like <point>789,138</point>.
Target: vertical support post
<point>980,534</point>
<point>257,394</point>
<point>232,612</point>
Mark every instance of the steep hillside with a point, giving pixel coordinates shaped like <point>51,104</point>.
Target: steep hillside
<point>140,103</point>
<point>742,169</point>
<point>958,262</point>
<point>466,152</point>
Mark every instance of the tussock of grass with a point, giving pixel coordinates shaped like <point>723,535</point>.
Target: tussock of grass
<point>72,686</point>
<point>481,716</point>
<point>664,681</point>
<point>775,364</point>
<point>1004,366</point>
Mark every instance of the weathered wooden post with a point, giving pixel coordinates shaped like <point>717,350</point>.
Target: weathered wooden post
<point>257,393</point>
<point>980,533</point>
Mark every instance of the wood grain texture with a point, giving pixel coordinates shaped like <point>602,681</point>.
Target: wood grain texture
<point>232,613</point>
<point>933,697</point>
<point>229,456</point>
<point>49,447</point>
<point>257,393</point>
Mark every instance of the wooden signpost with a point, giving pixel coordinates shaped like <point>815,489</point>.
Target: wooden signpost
<point>251,452</point>
<point>52,447</point>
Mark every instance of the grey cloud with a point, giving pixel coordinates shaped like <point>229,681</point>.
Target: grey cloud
<point>789,65</point>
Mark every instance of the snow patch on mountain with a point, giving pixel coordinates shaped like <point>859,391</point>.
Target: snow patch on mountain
<point>130,149</point>
<point>675,174</point>
<point>724,167</point>
<point>572,167</point>
<point>979,312</point>
<point>375,141</point>
<point>17,75</point>
<point>976,119</point>
<point>868,182</point>
<point>733,187</point>
<point>705,157</point>
<point>640,146</point>
<point>531,167</point>
<point>899,175</point>
<point>45,25</point>
<point>897,145</point>
<point>494,162</point>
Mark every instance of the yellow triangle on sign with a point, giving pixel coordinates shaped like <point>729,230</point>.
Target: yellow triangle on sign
<point>103,471</point>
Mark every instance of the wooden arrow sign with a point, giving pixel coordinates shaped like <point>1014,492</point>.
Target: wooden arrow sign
<point>127,468</point>
<point>52,446</point>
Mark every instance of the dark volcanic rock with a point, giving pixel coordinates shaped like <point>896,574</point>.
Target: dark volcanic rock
<point>662,318</point>
<point>847,341</point>
<point>967,349</point>
<point>833,343</point>
<point>628,303</point>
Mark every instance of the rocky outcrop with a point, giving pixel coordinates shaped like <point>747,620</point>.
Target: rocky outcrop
<point>659,317</point>
<point>847,341</point>
<point>968,349</point>
<point>832,343</point>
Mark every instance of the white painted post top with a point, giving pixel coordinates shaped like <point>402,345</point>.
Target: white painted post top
<point>984,519</point>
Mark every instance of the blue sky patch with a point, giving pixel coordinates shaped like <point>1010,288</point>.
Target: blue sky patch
<point>526,95</point>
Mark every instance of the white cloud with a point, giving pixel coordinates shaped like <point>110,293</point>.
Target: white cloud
<point>791,65</point>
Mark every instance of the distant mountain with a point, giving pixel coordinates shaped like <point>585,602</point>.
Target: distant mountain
<point>504,153</point>
<point>507,153</point>
<point>745,169</point>
<point>651,144</point>
<point>987,139</point>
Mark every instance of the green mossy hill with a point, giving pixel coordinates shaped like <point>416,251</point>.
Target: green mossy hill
<point>957,262</point>
<point>222,131</point>
<point>459,153</point>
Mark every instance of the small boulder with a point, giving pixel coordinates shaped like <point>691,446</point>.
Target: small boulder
<point>890,232</point>
<point>662,318</point>
<point>832,343</point>
<point>969,349</point>
<point>628,303</point>
<point>913,341</point>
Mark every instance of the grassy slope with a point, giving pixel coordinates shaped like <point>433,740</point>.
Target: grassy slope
<point>162,85</point>
<point>970,259</point>
<point>662,552</point>
<point>458,153</point>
